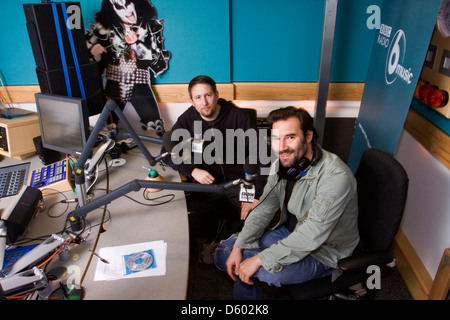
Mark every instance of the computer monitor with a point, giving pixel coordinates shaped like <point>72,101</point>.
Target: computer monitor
<point>64,123</point>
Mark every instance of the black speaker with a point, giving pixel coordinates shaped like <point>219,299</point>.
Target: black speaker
<point>43,35</point>
<point>53,82</point>
<point>20,216</point>
<point>44,42</point>
<point>46,156</point>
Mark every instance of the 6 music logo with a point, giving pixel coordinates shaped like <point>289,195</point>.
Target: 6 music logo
<point>395,59</point>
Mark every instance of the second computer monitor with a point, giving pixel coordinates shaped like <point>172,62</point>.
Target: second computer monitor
<point>64,123</point>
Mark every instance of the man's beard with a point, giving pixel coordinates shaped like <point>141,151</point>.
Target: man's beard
<point>210,111</point>
<point>288,163</point>
<point>298,155</point>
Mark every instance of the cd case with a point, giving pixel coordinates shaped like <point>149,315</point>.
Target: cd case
<point>10,113</point>
<point>139,261</point>
<point>118,255</point>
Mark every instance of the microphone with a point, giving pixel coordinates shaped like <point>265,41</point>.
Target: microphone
<point>247,192</point>
<point>230,184</point>
<point>251,171</point>
<point>168,145</point>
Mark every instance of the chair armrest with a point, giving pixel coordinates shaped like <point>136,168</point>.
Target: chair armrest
<point>365,260</point>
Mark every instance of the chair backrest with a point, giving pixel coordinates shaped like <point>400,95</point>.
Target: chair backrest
<point>382,189</point>
<point>252,114</point>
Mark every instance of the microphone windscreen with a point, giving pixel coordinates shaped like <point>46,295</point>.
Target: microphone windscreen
<point>250,168</point>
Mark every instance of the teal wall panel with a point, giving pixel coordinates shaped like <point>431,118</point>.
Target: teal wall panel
<point>276,40</point>
<point>353,40</point>
<point>16,58</point>
<point>196,32</point>
<point>281,40</point>
<point>231,40</point>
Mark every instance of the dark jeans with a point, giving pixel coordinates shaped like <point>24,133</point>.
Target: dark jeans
<point>302,271</point>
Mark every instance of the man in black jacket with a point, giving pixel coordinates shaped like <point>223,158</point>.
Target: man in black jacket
<point>207,122</point>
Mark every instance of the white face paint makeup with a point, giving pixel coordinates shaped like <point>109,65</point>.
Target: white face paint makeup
<point>125,10</point>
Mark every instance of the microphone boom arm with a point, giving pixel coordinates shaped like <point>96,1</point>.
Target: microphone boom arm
<point>135,185</point>
<point>110,106</point>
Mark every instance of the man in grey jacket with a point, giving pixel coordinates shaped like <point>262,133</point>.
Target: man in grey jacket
<point>316,193</point>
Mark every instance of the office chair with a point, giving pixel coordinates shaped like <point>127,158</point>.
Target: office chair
<point>252,113</point>
<point>382,189</point>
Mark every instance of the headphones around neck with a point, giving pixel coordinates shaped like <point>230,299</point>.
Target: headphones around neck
<point>301,167</point>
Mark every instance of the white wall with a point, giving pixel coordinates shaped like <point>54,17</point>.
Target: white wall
<point>426,220</point>
<point>171,111</point>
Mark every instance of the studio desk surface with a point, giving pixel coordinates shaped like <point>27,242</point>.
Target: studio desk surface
<point>127,222</point>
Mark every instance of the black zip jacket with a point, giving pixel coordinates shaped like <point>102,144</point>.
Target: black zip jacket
<point>223,169</point>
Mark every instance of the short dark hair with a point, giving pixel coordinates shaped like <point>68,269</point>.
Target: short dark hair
<point>306,121</point>
<point>204,80</point>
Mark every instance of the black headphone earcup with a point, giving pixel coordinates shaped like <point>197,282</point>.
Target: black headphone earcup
<point>295,172</point>
<point>282,172</point>
<point>299,169</point>
<point>316,156</point>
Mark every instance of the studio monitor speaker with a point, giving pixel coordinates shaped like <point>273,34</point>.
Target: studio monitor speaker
<point>53,82</point>
<point>46,156</point>
<point>43,35</point>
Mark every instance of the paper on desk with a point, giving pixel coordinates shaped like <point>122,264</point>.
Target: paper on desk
<point>114,270</point>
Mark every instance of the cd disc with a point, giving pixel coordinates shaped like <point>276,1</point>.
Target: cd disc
<point>117,162</point>
<point>139,261</point>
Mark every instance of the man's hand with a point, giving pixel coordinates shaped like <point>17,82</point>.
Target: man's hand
<point>202,176</point>
<point>97,49</point>
<point>245,269</point>
<point>246,207</point>
<point>248,268</point>
<point>131,37</point>
<point>233,262</point>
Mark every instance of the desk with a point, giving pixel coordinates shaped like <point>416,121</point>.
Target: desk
<point>129,223</point>
<point>16,136</point>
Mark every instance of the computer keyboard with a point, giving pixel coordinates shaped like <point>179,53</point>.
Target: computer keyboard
<point>12,178</point>
<point>52,176</point>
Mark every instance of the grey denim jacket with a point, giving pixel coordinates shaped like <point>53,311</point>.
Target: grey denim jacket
<point>326,206</point>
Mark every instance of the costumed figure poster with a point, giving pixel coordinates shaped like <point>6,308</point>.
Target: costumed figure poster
<point>127,42</point>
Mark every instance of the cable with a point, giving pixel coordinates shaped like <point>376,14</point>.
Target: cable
<point>171,195</point>
<point>261,200</point>
<point>51,257</point>
<point>94,249</point>
<point>3,100</point>
<point>145,195</point>
<point>105,153</point>
<point>57,216</point>
<point>6,91</point>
